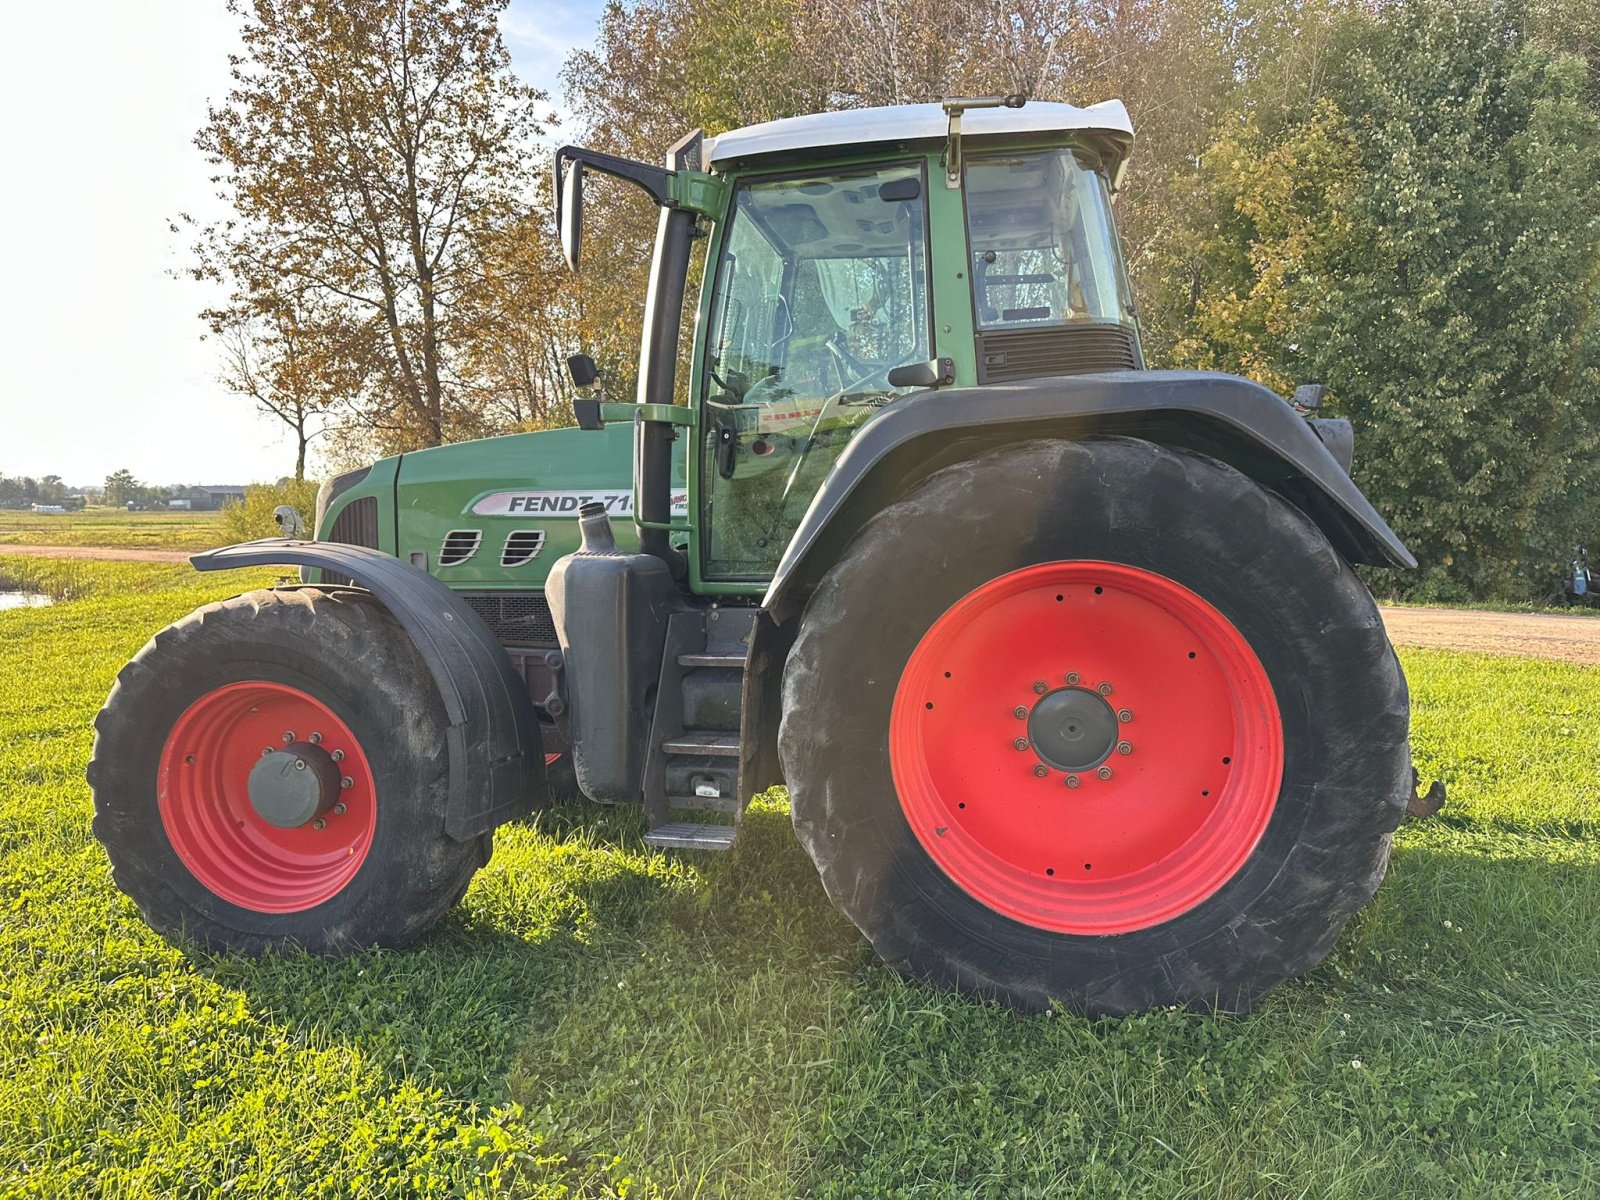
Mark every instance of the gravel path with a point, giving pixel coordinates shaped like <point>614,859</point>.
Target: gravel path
<point>100,553</point>
<point>1529,635</point>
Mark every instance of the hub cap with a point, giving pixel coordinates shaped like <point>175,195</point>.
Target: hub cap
<point>266,796</point>
<point>1086,747</point>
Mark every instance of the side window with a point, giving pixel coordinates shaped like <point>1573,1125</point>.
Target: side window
<point>822,291</point>
<point>1043,248</point>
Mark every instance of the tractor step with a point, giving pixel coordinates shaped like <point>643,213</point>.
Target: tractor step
<point>685,835</point>
<point>725,804</point>
<point>720,745</point>
<point>711,659</point>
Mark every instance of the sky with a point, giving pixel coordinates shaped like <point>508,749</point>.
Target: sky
<point>102,362</point>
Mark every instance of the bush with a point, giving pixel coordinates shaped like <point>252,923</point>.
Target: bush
<point>252,519</point>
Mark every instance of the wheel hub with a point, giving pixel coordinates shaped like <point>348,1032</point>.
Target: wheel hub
<point>292,786</point>
<point>1073,729</point>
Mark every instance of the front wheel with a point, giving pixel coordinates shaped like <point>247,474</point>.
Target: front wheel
<point>1121,730</point>
<point>272,771</point>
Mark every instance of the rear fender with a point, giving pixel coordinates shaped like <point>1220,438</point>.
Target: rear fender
<point>496,752</point>
<point>1231,419</point>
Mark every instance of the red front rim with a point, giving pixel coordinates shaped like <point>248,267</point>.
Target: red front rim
<point>1001,718</point>
<point>212,825</point>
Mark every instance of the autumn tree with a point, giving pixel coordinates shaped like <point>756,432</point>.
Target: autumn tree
<point>368,151</point>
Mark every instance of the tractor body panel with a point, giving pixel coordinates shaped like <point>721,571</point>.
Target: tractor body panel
<point>495,749</point>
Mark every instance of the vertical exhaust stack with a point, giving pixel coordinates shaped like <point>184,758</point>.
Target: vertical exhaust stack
<point>611,608</point>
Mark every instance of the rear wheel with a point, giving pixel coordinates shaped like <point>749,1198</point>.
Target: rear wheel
<point>271,770</point>
<point>1122,731</point>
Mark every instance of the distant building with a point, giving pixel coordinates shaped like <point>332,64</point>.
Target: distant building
<point>50,509</point>
<point>206,499</point>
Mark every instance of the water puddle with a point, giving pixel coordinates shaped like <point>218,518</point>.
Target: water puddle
<point>23,600</point>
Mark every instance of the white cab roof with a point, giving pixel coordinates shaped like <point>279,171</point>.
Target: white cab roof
<point>915,123</point>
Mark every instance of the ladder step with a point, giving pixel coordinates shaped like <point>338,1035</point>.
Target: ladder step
<point>725,804</point>
<point>711,659</point>
<point>687,836</point>
<point>722,745</point>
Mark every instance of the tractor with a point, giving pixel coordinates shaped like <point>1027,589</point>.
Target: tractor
<point>1076,694</point>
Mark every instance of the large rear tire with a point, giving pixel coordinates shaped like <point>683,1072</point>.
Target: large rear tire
<point>271,771</point>
<point>1104,723</point>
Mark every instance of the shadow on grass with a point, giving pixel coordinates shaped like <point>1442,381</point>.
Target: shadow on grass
<point>719,1028</point>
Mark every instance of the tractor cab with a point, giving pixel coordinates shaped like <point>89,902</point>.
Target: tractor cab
<point>855,260</point>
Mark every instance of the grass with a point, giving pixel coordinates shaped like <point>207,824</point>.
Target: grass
<point>111,527</point>
<point>600,1020</point>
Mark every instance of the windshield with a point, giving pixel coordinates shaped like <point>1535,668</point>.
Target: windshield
<point>1044,251</point>
<point>821,291</point>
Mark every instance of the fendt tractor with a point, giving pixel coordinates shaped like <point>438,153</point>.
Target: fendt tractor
<point>1063,661</point>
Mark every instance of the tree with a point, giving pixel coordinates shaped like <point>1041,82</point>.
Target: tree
<point>367,149</point>
<point>289,373</point>
<point>121,487</point>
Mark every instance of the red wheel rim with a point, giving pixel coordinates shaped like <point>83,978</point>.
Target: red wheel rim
<point>215,829</point>
<point>998,720</point>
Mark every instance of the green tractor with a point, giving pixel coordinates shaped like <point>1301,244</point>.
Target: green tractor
<point>1063,661</point>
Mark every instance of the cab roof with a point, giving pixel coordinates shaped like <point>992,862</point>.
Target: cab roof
<point>905,123</point>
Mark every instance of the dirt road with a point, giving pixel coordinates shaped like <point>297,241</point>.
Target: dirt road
<point>99,553</point>
<point>1530,635</point>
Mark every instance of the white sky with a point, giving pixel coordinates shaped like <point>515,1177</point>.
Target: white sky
<point>101,362</point>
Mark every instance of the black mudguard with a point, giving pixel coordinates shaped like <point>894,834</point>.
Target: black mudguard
<point>494,744</point>
<point>1232,419</point>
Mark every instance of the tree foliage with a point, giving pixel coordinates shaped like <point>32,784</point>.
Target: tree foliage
<point>370,152</point>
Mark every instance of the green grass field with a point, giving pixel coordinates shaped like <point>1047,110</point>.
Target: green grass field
<point>111,527</point>
<point>601,1020</point>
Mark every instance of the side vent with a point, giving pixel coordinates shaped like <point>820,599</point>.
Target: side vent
<point>459,545</point>
<point>522,547</point>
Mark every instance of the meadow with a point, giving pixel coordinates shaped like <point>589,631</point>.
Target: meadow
<point>602,1020</point>
<point>111,527</point>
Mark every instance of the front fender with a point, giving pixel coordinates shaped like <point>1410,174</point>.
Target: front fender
<point>496,752</point>
<point>1231,419</point>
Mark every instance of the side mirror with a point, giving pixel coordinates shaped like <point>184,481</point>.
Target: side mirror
<point>572,213</point>
<point>1308,397</point>
<point>924,374</point>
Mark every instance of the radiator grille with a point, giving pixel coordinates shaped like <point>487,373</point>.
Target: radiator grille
<point>516,618</point>
<point>1073,350</point>
<point>357,523</point>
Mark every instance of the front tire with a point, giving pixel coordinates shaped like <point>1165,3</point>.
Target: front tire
<point>1121,730</point>
<point>271,771</point>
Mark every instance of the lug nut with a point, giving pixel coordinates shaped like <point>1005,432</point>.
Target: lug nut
<point>1020,713</point>
<point>288,736</point>
<point>319,823</point>
<point>266,751</point>
<point>1124,715</point>
<point>1072,781</point>
<point>1104,689</point>
<point>1124,747</point>
<point>347,782</point>
<point>338,755</point>
<point>1041,770</point>
<point>1102,773</point>
<point>315,739</point>
<point>339,809</point>
<point>1073,677</point>
<point>1020,744</point>
<point>1041,687</point>
<point>299,764</point>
